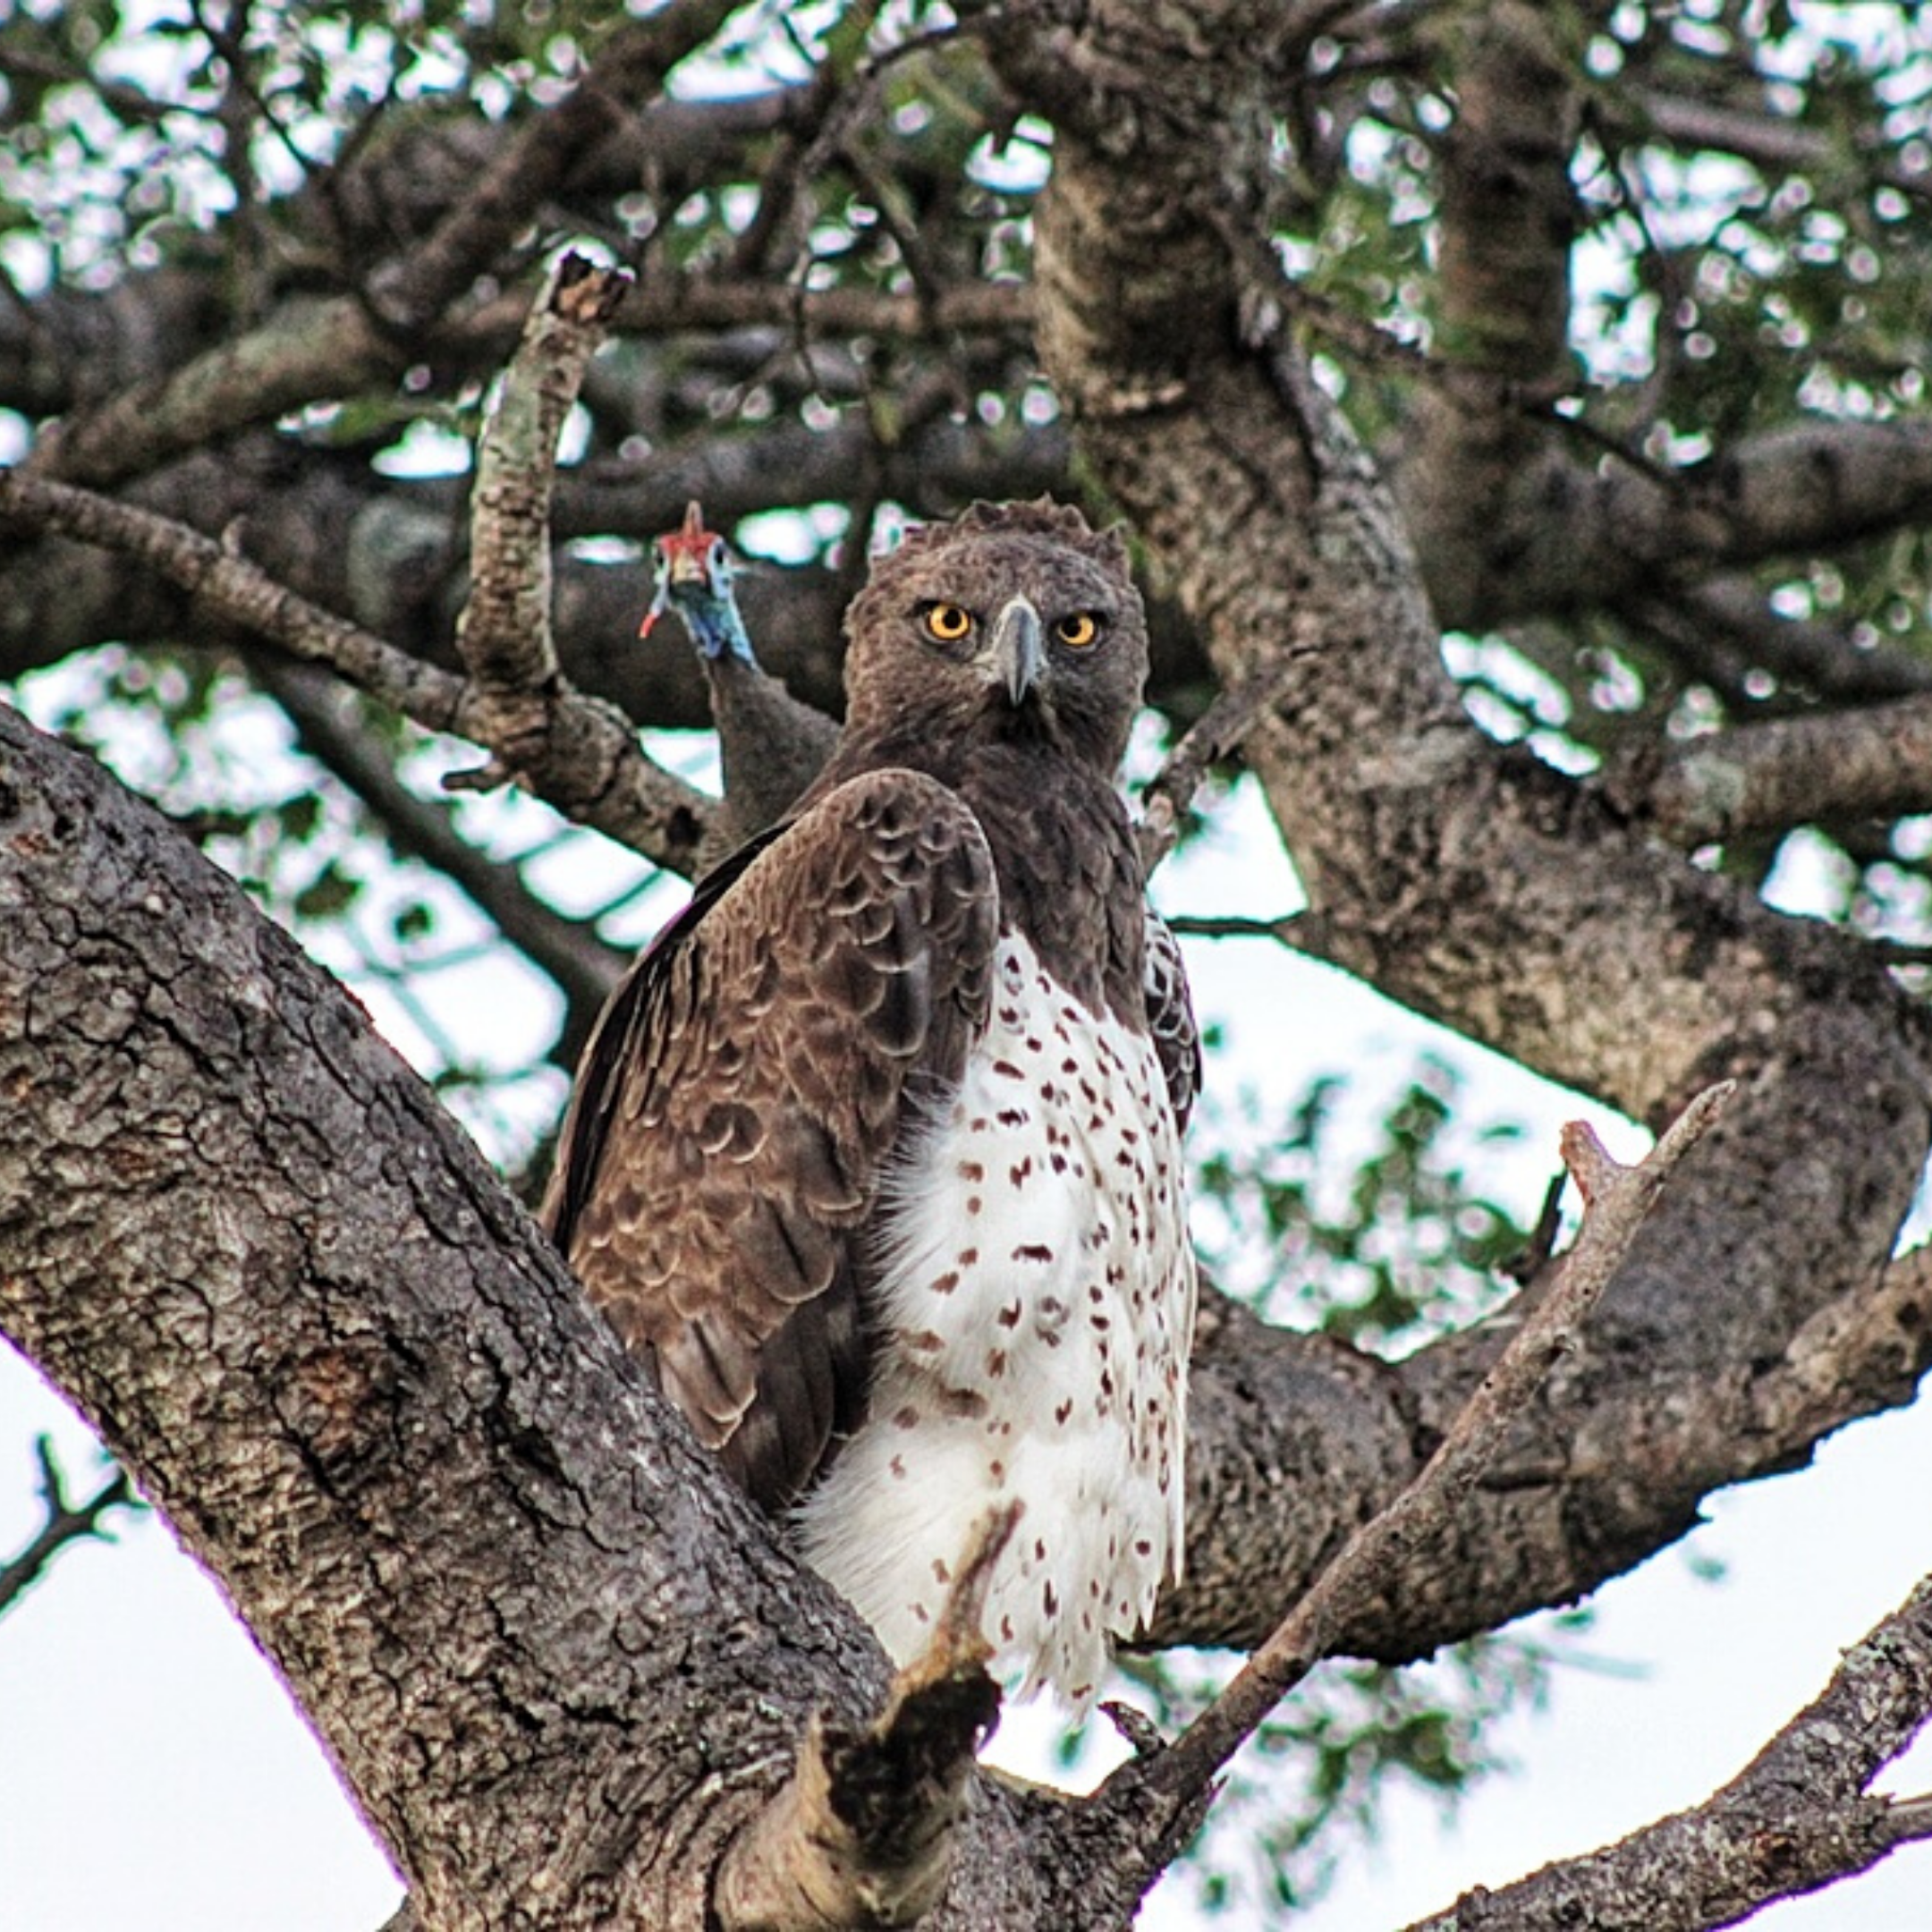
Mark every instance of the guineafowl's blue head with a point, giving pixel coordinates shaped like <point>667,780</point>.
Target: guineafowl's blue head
<point>695,576</point>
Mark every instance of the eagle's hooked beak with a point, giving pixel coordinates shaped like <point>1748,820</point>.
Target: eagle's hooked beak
<point>1018,649</point>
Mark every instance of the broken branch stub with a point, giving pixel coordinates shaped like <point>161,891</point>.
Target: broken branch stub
<point>861,1834</point>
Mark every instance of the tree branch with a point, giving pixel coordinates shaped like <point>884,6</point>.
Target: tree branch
<point>1768,140</point>
<point>1876,762</point>
<point>1607,1468</point>
<point>504,631</point>
<point>1233,926</point>
<point>677,305</point>
<point>863,1832</point>
<point>66,1522</point>
<point>591,766</point>
<point>282,1284</point>
<point>317,350</point>
<point>1798,1817</point>
<point>390,553</point>
<point>1574,537</point>
<point>1909,1820</point>
<point>1726,617</point>
<point>311,350</point>
<point>630,70</point>
<point>1176,1783</point>
<point>583,967</point>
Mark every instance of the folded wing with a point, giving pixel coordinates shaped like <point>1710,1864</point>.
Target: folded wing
<point>745,1096</point>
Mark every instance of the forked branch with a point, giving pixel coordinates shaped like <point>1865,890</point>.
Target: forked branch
<point>1217,734</point>
<point>65,1522</point>
<point>593,769</point>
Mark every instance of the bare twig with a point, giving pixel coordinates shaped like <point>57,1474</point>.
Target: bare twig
<point>1616,1199</point>
<point>229,41</point>
<point>66,1522</point>
<point>1797,1817</point>
<point>862,1832</point>
<point>592,768</point>
<point>779,210</point>
<point>1524,1267</point>
<point>1232,926</point>
<point>1217,734</point>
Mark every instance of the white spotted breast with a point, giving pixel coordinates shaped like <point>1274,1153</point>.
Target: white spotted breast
<point>1035,1309</point>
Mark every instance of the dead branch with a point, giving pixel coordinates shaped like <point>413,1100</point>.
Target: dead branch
<point>862,1834</point>
<point>504,632</point>
<point>1176,1784</point>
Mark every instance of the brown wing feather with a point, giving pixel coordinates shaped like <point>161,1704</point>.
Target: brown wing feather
<point>742,1094</point>
<point>1170,1012</point>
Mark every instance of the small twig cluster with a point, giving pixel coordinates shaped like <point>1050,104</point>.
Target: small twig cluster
<point>66,1522</point>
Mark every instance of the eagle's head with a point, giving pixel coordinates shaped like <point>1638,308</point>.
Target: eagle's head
<point>1018,622</point>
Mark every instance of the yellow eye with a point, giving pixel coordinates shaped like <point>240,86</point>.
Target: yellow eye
<point>1079,630</point>
<point>947,622</point>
